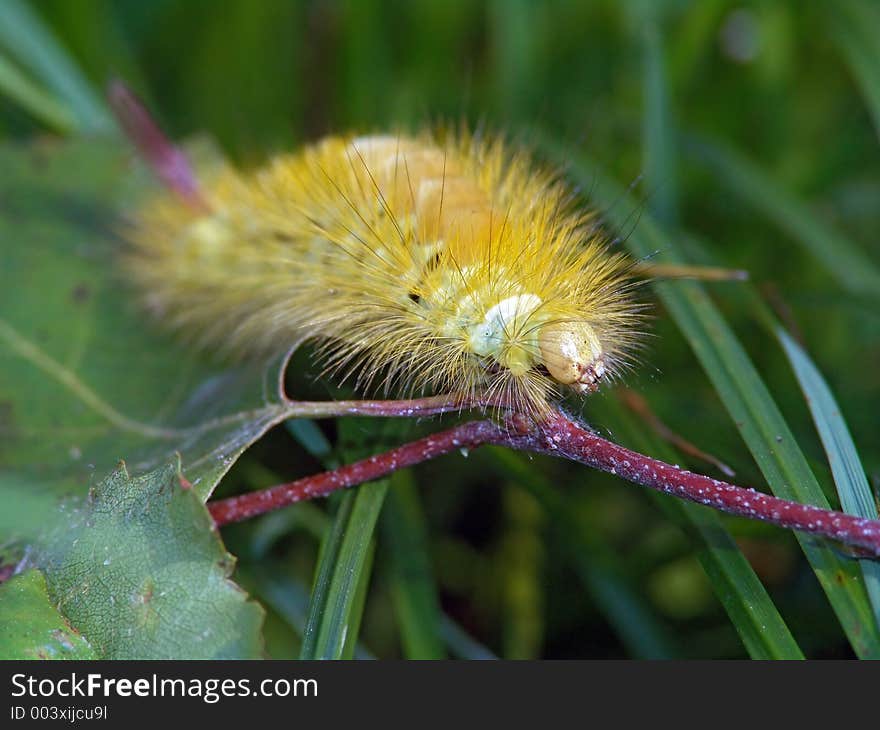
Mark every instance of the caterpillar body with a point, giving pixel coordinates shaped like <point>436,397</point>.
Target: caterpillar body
<point>450,264</point>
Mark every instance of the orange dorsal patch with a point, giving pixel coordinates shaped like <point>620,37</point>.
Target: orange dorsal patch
<point>431,185</point>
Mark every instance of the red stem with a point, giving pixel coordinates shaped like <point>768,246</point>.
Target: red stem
<point>560,436</point>
<point>169,163</point>
<point>465,436</point>
<point>409,408</point>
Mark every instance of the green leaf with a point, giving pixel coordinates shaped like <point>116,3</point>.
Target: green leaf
<point>748,401</point>
<point>32,627</point>
<point>88,379</point>
<point>141,573</point>
<point>855,493</point>
<point>27,507</point>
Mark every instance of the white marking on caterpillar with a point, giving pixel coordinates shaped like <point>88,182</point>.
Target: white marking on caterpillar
<point>499,329</point>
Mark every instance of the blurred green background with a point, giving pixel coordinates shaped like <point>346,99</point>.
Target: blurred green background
<point>748,130</point>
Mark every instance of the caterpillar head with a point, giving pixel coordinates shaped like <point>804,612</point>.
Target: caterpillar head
<point>569,349</point>
<point>573,355</point>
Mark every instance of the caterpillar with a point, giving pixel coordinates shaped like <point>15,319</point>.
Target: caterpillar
<point>445,262</point>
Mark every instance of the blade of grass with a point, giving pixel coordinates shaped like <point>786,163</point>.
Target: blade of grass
<point>745,396</point>
<point>412,584</point>
<point>855,493</point>
<point>752,612</point>
<point>44,107</point>
<point>346,556</point>
<point>287,596</point>
<point>455,638</point>
<point>842,258</point>
<point>343,566</point>
<point>93,34</point>
<point>328,557</point>
<point>305,516</point>
<point>658,137</point>
<point>855,28</point>
<point>310,437</point>
<point>290,599</point>
<point>353,580</point>
<point>31,43</point>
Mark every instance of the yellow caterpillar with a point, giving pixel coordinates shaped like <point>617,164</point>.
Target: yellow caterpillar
<point>450,264</point>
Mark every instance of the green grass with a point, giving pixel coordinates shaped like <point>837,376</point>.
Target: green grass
<point>750,134</point>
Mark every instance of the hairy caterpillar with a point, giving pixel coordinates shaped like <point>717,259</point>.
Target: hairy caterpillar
<point>446,263</point>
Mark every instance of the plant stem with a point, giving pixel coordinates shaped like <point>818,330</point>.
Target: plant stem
<point>560,436</point>
<point>409,408</point>
<point>465,436</point>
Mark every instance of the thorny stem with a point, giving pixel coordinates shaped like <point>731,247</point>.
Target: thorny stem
<point>560,436</point>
